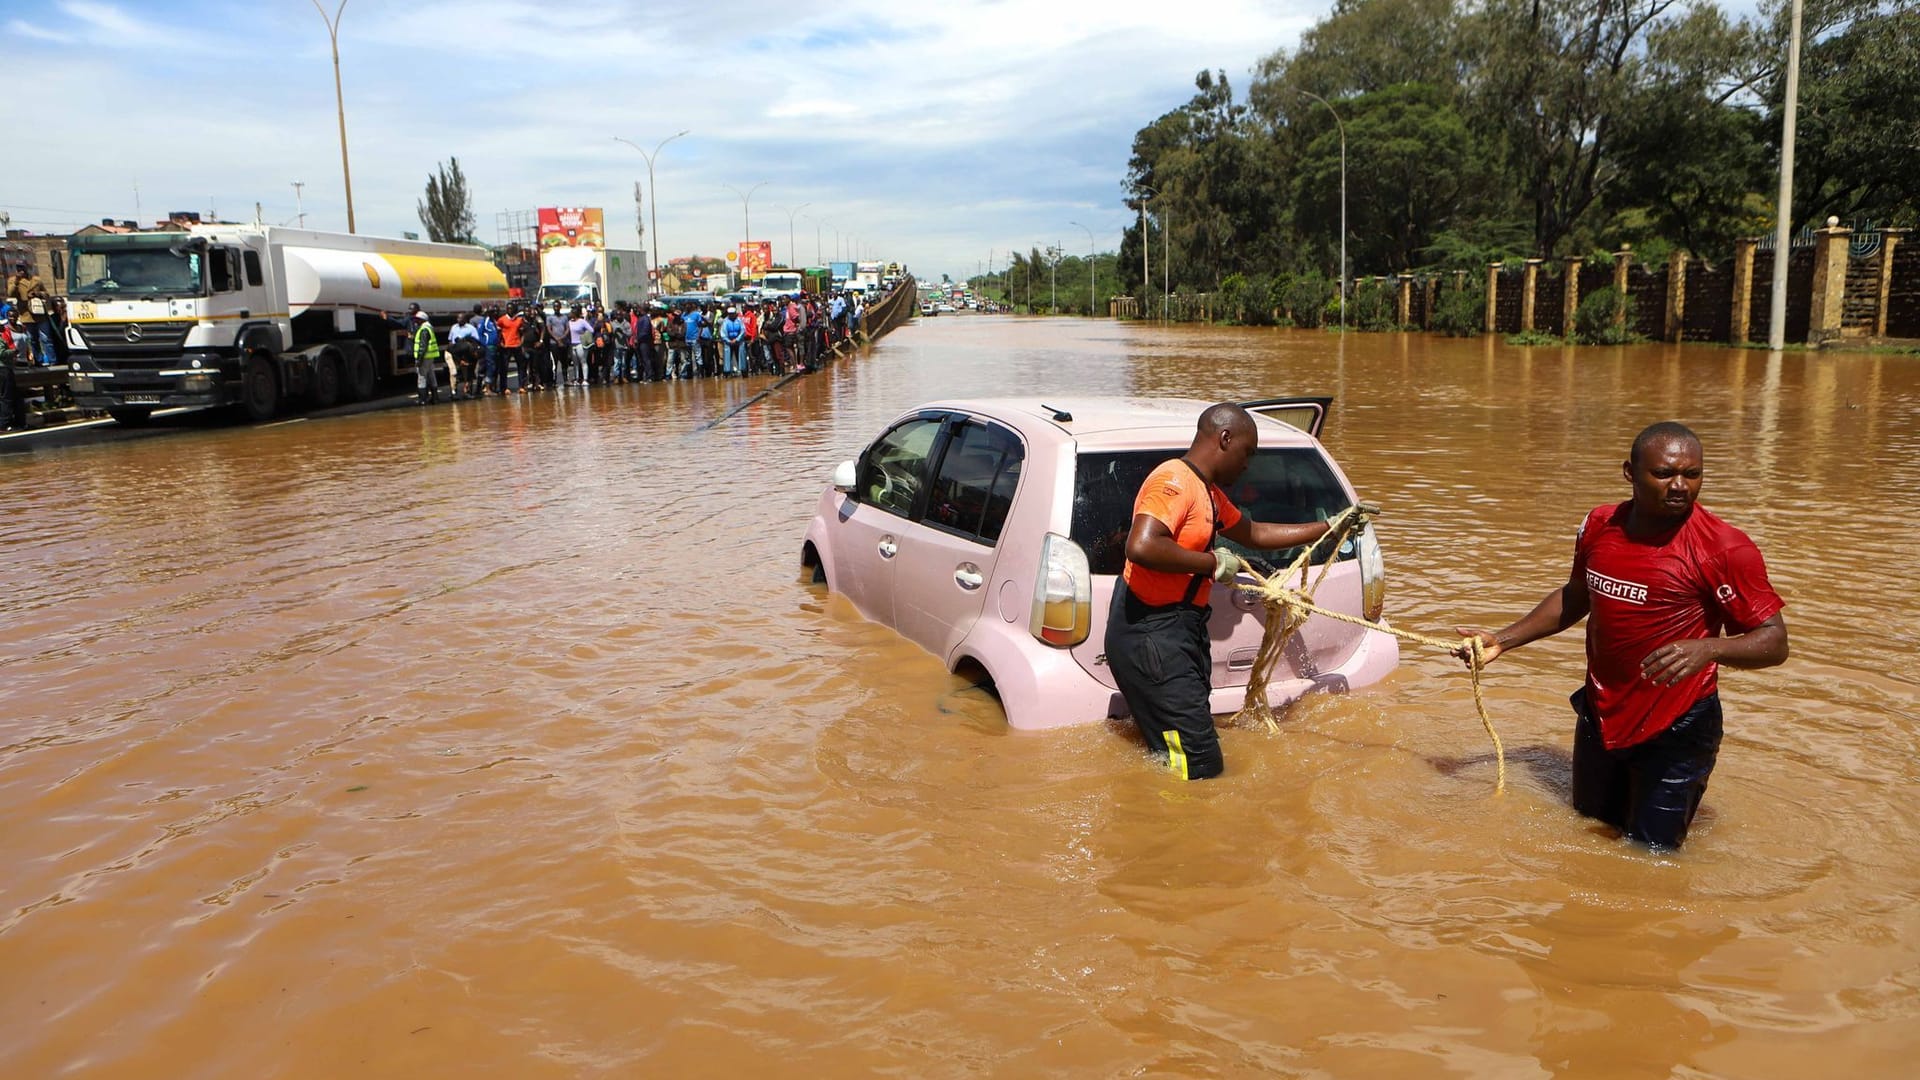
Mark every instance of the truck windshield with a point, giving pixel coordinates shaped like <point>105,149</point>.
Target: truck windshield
<point>780,283</point>
<point>1286,485</point>
<point>142,269</point>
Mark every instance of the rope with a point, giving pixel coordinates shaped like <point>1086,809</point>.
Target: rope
<point>1289,607</point>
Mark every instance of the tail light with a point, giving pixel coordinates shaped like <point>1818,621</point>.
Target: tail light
<point>1373,576</point>
<point>1063,595</point>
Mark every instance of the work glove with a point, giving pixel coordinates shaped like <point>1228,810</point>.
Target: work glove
<point>1226,565</point>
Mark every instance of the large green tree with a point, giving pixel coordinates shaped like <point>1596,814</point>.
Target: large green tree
<point>447,209</point>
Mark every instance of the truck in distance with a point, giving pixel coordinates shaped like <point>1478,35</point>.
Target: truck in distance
<point>253,315</point>
<point>598,276</point>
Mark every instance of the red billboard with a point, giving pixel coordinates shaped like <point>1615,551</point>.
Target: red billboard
<point>755,257</point>
<point>572,226</point>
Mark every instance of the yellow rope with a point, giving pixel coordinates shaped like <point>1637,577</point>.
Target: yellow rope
<point>1288,607</point>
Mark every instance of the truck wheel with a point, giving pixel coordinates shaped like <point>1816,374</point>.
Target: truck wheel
<point>131,416</point>
<point>326,381</point>
<point>359,375</point>
<point>260,390</point>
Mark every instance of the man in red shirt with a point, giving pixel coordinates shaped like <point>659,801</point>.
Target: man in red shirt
<point>1672,593</point>
<point>1157,627</point>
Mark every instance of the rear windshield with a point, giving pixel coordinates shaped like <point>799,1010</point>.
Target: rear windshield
<point>1286,485</point>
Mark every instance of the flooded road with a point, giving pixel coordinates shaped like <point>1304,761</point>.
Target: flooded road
<point>505,740</point>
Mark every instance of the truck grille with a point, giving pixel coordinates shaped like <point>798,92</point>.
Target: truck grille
<point>142,338</point>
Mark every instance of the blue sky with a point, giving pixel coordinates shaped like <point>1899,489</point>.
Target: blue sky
<point>930,133</point>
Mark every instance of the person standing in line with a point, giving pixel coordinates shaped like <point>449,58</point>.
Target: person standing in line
<point>690,324</point>
<point>733,335</point>
<point>424,347</point>
<point>661,329</point>
<point>492,375</point>
<point>1670,593</point>
<point>463,344</point>
<point>511,338</point>
<point>750,327</point>
<point>709,340</point>
<point>1156,641</point>
<point>554,372</point>
<point>579,341</point>
<point>791,324</point>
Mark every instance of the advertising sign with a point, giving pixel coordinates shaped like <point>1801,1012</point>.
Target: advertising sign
<point>572,226</point>
<point>755,257</point>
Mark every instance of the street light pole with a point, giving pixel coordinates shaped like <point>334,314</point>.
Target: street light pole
<point>1783,227</point>
<point>1089,266</point>
<point>791,246</point>
<point>1146,281</point>
<point>746,220</point>
<point>654,213</point>
<point>339,100</point>
<point>1343,203</point>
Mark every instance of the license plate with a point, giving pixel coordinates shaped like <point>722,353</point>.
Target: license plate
<point>143,399</point>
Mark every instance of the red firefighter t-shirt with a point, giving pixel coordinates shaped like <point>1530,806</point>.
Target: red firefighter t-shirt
<point>1703,577</point>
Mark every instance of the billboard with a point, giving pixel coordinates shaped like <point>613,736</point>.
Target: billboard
<point>572,226</point>
<point>755,257</point>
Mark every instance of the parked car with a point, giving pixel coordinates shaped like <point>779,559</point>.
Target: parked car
<point>992,532</point>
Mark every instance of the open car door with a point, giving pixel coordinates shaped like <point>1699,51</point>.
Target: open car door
<point>1306,413</point>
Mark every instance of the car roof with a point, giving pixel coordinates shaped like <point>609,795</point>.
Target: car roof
<point>1112,421</point>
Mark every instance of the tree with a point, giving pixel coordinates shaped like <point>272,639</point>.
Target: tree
<point>1858,150</point>
<point>447,210</point>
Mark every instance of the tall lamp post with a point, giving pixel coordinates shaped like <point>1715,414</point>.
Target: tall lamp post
<point>1783,227</point>
<point>791,214</point>
<point>339,100</point>
<point>1089,266</point>
<point>1146,282</point>
<point>1343,203</point>
<point>659,273</point>
<point>746,220</point>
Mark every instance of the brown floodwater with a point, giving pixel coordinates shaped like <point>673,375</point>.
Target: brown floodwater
<point>505,739</point>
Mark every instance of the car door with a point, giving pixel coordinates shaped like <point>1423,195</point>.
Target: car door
<point>946,557</point>
<point>1309,414</point>
<point>890,478</point>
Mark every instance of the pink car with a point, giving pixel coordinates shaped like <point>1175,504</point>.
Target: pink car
<point>992,532</point>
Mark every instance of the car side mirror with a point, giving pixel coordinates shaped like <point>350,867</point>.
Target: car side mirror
<point>844,475</point>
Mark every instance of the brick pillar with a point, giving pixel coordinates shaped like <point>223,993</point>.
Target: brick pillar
<point>1622,259</point>
<point>1743,290</point>
<point>1889,239</point>
<point>1829,282</point>
<point>1404,311</point>
<point>1529,285</point>
<point>1676,296</point>
<point>1570,303</point>
<point>1493,295</point>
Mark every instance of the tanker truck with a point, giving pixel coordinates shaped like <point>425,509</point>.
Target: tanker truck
<point>255,316</point>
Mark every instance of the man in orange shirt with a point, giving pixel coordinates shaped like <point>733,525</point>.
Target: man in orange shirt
<point>1157,628</point>
<point>512,349</point>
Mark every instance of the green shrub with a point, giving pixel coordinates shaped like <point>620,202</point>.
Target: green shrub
<point>1601,319</point>
<point>1374,306</point>
<point>1534,337</point>
<point>1247,300</point>
<point>1304,298</point>
<point>1461,312</point>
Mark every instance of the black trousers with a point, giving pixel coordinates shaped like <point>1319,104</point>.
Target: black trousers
<point>1161,658</point>
<point>1650,790</point>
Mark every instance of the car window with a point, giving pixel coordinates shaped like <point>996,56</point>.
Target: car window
<point>1283,485</point>
<point>894,469</point>
<point>974,487</point>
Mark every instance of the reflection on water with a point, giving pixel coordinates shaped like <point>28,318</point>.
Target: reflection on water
<point>504,739</point>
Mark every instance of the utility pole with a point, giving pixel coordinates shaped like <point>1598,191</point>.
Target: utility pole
<point>1783,226</point>
<point>1146,279</point>
<point>299,202</point>
<point>1053,277</point>
<point>339,101</point>
<point>639,220</point>
<point>659,269</point>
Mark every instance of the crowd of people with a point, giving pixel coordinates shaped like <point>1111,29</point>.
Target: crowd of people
<point>523,348</point>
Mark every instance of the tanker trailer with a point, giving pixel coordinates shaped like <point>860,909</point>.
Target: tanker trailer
<point>254,316</point>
